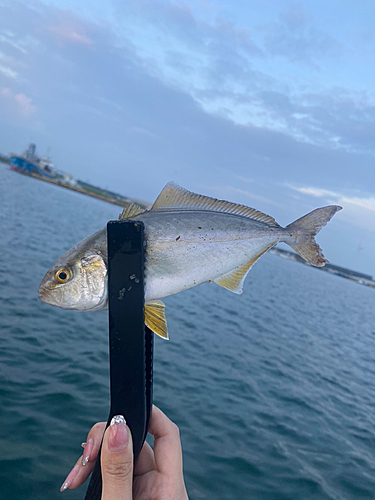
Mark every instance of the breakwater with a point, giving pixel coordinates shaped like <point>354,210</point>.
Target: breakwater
<point>80,187</point>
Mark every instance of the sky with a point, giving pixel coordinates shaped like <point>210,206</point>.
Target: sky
<point>268,104</point>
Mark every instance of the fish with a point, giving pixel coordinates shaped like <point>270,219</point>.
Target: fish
<point>190,239</point>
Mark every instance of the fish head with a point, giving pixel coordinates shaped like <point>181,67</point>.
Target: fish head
<point>78,279</point>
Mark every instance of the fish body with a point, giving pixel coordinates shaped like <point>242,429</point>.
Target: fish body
<point>186,248</point>
<point>190,239</point>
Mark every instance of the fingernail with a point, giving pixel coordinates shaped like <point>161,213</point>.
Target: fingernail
<point>88,449</point>
<point>69,478</point>
<point>118,434</point>
<point>83,444</point>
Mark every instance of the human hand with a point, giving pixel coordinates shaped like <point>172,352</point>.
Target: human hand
<point>158,472</point>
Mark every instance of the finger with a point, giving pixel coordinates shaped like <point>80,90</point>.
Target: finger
<point>72,476</point>
<point>167,445</point>
<point>117,461</point>
<point>94,440</point>
<point>85,464</point>
<point>81,474</point>
<point>146,461</point>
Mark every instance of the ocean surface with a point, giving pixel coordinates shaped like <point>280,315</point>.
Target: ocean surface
<point>273,390</point>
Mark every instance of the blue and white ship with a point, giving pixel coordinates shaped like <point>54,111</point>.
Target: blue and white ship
<point>29,163</point>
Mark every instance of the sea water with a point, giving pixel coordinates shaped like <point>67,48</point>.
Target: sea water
<point>273,390</point>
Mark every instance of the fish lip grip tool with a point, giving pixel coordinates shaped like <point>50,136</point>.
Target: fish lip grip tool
<point>130,341</point>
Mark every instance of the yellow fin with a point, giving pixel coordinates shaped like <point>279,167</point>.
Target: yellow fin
<point>176,197</point>
<point>235,279</point>
<point>155,318</point>
<point>131,211</point>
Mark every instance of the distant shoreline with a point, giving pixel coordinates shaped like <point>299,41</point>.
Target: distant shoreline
<point>360,278</point>
<point>87,189</point>
<point>5,159</point>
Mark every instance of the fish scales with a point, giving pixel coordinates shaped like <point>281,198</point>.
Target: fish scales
<point>214,242</point>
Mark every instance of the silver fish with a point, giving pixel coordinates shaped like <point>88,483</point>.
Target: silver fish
<point>190,239</point>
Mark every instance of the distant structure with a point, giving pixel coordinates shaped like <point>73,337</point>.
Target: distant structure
<point>363,279</point>
<point>359,250</point>
<point>41,168</point>
<point>4,159</point>
<point>30,163</point>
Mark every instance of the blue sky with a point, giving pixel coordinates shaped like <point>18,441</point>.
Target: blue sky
<point>268,104</point>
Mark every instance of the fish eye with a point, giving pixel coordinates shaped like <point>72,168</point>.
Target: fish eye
<point>62,275</point>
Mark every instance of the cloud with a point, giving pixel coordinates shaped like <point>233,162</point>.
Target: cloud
<point>215,60</point>
<point>225,68</point>
<point>113,85</point>
<point>366,203</point>
<point>25,106</point>
<point>229,189</point>
<point>140,130</point>
<point>316,192</point>
<point>64,32</point>
<point>294,37</point>
<point>6,92</point>
<point>198,56</point>
<point>336,119</point>
<point>244,179</point>
<point>17,105</point>
<point>358,209</point>
<point>8,38</point>
<point>100,91</point>
<point>184,24</point>
<point>295,18</point>
<point>5,70</point>
<point>8,65</point>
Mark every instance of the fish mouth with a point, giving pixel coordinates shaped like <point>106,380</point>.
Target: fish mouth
<point>48,298</point>
<point>43,298</point>
<point>45,294</point>
<point>42,292</point>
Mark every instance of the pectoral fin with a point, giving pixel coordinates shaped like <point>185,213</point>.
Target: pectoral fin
<point>235,279</point>
<point>155,318</point>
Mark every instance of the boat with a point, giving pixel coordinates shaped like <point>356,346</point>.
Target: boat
<point>41,168</point>
<point>29,163</point>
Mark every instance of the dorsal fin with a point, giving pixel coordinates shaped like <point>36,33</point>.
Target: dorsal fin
<point>176,197</point>
<point>130,211</point>
<point>235,279</point>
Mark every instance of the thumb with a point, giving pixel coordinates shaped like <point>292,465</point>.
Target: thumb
<point>117,461</point>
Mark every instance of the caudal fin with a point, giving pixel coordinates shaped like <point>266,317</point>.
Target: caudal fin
<point>302,234</point>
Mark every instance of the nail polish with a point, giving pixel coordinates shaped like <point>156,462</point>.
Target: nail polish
<point>69,478</point>
<point>88,449</point>
<point>118,433</point>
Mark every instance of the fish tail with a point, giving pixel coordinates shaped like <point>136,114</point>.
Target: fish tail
<point>302,234</point>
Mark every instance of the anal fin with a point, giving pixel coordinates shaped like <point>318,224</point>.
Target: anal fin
<point>234,280</point>
<point>155,318</point>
